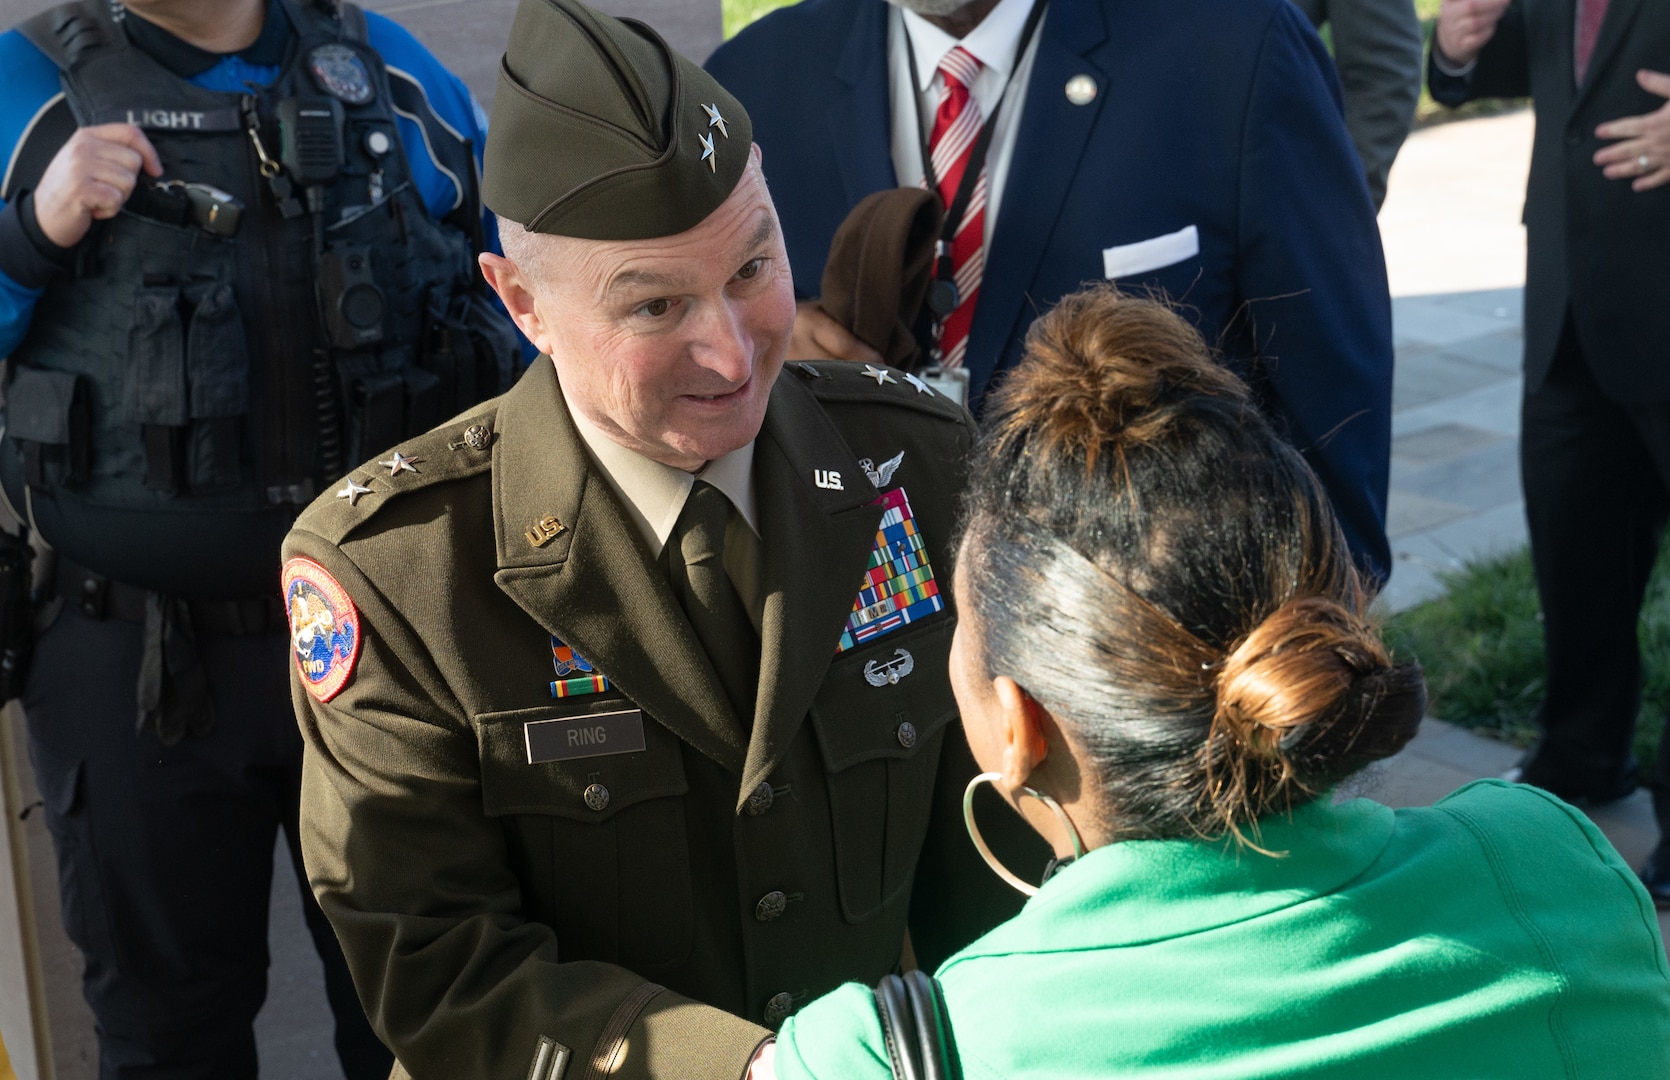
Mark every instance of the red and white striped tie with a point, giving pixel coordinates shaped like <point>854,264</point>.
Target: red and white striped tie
<point>956,125</point>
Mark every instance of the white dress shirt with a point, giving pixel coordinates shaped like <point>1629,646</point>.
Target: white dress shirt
<point>993,43</point>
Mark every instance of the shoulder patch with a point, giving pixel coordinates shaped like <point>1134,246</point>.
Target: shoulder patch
<point>844,381</point>
<point>459,448</point>
<point>324,627</point>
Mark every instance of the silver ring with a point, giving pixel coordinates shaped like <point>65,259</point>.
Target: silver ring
<point>1643,162</point>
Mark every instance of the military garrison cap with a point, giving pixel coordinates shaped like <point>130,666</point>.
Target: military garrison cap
<point>601,131</point>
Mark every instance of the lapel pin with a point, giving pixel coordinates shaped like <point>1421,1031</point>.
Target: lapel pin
<point>543,531</point>
<point>353,491</point>
<point>401,463</point>
<point>1081,89</point>
<point>707,152</point>
<point>880,477</point>
<point>714,120</point>
<point>807,371</point>
<point>880,375</point>
<point>889,672</point>
<point>921,387</point>
<point>827,479</point>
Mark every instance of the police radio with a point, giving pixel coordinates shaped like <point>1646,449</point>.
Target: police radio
<point>310,138</point>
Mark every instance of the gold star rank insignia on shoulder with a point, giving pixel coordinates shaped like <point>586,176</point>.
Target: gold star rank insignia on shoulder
<point>880,375</point>
<point>707,152</point>
<point>715,120</point>
<point>401,463</point>
<point>352,492</point>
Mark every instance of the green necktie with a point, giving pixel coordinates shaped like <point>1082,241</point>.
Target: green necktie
<point>696,565</point>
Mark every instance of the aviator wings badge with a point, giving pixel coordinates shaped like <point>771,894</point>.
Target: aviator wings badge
<point>880,477</point>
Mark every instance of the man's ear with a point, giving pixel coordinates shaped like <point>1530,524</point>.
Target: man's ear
<point>518,299</point>
<point>1024,729</point>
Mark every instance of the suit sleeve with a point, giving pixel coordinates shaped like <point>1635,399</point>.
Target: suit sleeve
<point>1503,67</point>
<point>1313,278</point>
<point>1377,48</point>
<point>417,881</point>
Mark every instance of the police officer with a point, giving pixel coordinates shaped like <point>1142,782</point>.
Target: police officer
<point>625,696</point>
<point>236,255</point>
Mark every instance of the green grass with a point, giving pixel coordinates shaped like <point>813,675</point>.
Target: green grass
<point>739,13</point>
<point>1481,646</point>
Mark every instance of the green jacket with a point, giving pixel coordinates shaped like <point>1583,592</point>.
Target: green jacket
<point>1494,934</point>
<point>646,912</point>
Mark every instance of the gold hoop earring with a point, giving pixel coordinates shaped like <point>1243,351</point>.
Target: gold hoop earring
<point>980,843</point>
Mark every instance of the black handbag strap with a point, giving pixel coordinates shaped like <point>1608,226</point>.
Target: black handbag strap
<point>916,1028</point>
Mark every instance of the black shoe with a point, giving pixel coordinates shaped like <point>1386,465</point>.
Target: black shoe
<point>1584,798</point>
<point>1655,875</point>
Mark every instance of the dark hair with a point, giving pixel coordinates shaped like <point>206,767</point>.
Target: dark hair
<point>1148,559</point>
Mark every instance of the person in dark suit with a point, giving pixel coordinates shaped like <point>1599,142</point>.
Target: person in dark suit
<point>1189,146</point>
<point>1595,444</point>
<point>1377,49</point>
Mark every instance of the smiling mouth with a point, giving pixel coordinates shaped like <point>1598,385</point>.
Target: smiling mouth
<point>727,396</point>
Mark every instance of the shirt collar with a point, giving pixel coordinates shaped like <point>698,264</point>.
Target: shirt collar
<point>188,61</point>
<point>654,493</point>
<point>993,42</point>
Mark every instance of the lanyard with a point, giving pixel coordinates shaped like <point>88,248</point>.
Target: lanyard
<point>942,293</point>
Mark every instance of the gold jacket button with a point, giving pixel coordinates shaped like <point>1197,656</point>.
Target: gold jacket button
<point>778,1009</point>
<point>907,734</point>
<point>478,437</point>
<point>597,797</point>
<point>771,905</point>
<point>759,801</point>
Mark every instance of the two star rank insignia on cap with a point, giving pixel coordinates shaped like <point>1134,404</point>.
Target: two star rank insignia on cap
<point>714,120</point>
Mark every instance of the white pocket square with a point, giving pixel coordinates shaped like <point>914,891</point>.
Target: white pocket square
<point>1124,260</point>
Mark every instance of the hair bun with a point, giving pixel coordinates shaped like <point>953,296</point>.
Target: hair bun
<point>1094,376</point>
<point>1314,684</point>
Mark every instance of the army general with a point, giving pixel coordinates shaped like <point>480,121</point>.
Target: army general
<point>625,695</point>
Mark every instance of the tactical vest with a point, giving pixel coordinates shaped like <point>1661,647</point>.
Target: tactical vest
<point>274,310</point>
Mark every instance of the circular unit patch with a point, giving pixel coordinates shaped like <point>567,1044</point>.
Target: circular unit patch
<point>324,627</point>
<point>341,73</point>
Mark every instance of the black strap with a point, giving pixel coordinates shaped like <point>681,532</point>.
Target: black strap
<point>977,157</point>
<point>916,1028</point>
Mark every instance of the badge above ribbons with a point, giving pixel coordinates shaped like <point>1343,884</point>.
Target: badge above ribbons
<point>575,675</point>
<point>899,587</point>
<point>324,627</point>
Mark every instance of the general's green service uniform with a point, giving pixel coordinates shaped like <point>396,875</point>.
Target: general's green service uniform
<point>549,843</point>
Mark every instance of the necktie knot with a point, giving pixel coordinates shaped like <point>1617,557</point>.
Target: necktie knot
<point>701,525</point>
<point>959,69</point>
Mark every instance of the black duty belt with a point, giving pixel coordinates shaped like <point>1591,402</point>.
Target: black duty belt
<point>100,598</point>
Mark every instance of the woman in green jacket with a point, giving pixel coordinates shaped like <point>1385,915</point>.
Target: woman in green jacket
<point>1164,663</point>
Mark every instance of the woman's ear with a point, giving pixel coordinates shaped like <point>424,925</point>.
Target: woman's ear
<point>1024,727</point>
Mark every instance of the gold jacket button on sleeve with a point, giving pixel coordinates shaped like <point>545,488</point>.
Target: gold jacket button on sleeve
<point>907,734</point>
<point>597,797</point>
<point>771,905</point>
<point>760,801</point>
<point>778,1009</point>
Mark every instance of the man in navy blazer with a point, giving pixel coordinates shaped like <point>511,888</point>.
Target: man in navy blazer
<point>1190,146</point>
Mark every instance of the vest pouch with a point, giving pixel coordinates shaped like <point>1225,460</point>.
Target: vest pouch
<point>155,396</point>
<point>47,417</point>
<point>494,344</point>
<point>423,401</point>
<point>376,411</point>
<point>217,372</point>
<point>472,348</point>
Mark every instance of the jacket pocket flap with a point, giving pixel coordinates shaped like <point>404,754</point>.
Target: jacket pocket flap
<point>871,693</point>
<point>592,787</point>
<point>40,404</point>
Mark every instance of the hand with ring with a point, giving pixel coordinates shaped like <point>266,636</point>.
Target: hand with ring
<point>1641,152</point>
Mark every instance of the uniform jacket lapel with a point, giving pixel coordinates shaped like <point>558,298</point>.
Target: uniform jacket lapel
<point>1052,137</point>
<point>859,117</point>
<point>817,545</point>
<point>594,584</point>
